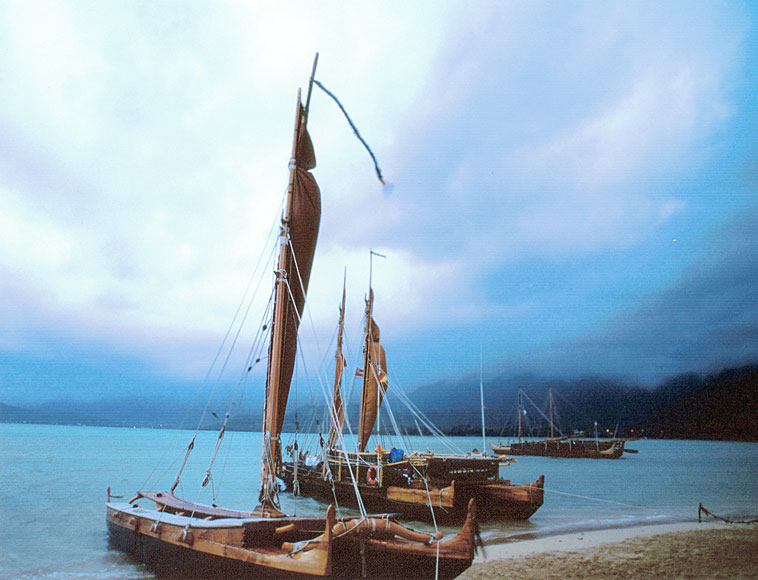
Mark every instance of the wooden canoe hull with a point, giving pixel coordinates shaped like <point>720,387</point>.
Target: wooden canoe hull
<point>495,500</point>
<point>565,448</point>
<point>166,542</point>
<point>177,561</point>
<point>180,546</point>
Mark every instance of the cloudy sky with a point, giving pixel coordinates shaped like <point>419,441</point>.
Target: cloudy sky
<point>574,185</point>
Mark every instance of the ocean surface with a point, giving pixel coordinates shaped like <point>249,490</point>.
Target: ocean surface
<point>54,481</point>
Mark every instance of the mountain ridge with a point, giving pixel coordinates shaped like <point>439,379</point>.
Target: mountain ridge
<point>721,405</point>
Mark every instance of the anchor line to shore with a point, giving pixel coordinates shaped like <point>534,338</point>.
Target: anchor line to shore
<point>701,510</point>
<point>609,501</point>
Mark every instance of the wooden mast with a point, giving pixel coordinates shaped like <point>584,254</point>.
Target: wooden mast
<point>271,455</point>
<point>367,340</point>
<point>481,400</point>
<point>552,423</point>
<point>520,411</point>
<point>374,368</point>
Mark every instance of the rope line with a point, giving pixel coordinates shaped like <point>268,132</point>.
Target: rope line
<point>608,501</point>
<point>355,130</point>
<point>701,510</point>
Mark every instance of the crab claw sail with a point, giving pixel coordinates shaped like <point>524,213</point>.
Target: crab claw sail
<point>299,233</point>
<point>338,412</point>
<point>374,377</point>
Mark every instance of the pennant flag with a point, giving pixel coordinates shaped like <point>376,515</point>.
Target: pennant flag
<point>382,377</point>
<point>358,372</point>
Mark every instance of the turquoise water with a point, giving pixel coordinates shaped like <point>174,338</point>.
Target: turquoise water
<point>54,482</point>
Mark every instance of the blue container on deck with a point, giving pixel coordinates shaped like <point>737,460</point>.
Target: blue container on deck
<point>396,455</point>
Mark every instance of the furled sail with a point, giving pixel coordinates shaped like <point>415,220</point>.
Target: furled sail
<point>338,412</point>
<point>374,376</point>
<point>300,225</point>
<point>303,233</point>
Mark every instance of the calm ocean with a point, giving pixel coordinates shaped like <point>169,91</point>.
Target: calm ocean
<point>53,482</point>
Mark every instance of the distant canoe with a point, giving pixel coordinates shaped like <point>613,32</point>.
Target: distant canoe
<point>567,447</point>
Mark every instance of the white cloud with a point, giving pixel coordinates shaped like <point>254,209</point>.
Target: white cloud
<point>28,241</point>
<point>163,136</point>
<point>52,72</point>
<point>145,147</point>
<point>650,126</point>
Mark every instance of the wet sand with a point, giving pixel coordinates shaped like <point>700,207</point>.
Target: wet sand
<point>696,551</point>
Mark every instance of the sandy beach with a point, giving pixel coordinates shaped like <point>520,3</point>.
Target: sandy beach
<point>695,551</point>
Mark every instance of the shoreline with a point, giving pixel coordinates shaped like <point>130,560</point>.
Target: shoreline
<point>581,539</point>
<point>707,550</point>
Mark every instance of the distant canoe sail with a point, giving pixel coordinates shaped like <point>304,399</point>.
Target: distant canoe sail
<point>300,225</point>
<point>374,379</point>
<point>338,412</point>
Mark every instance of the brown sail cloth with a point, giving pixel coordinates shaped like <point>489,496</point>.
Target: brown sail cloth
<point>303,228</point>
<point>300,225</point>
<point>338,412</point>
<point>374,378</point>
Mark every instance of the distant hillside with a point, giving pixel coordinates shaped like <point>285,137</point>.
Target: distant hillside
<point>152,413</point>
<point>10,414</point>
<point>719,406</point>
